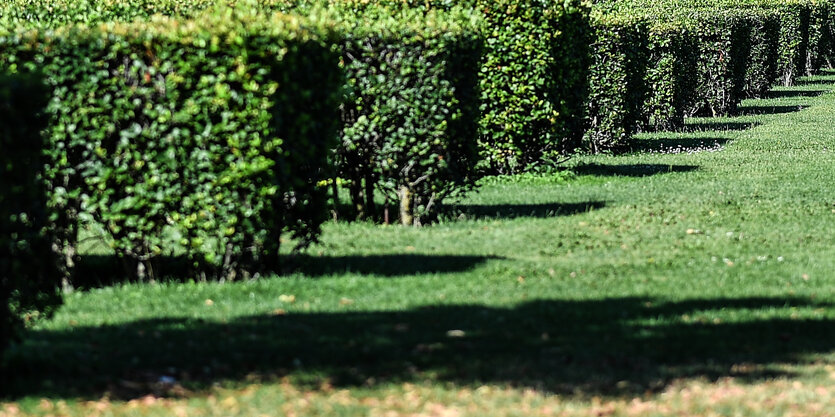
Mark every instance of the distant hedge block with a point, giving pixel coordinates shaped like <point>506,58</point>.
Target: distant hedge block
<point>617,83</point>
<point>670,80</point>
<point>532,78</point>
<point>762,70</point>
<point>821,37</point>
<point>794,41</point>
<point>410,120</point>
<point>724,42</point>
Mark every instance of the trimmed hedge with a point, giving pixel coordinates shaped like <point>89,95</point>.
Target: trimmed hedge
<point>410,117</point>
<point>762,71</point>
<point>532,78</point>
<point>669,78</point>
<point>794,41</point>
<point>821,37</point>
<point>29,274</point>
<point>205,138</point>
<point>533,81</point>
<point>55,13</point>
<point>724,43</point>
<point>617,85</point>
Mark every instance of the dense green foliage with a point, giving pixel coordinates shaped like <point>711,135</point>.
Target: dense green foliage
<point>54,13</point>
<point>703,58</point>
<point>533,81</point>
<point>201,138</point>
<point>724,46</point>
<point>670,82</point>
<point>410,114</point>
<point>29,272</point>
<point>617,85</point>
<point>532,77</point>
<point>762,69</point>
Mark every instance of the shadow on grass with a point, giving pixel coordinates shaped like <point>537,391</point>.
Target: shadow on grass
<point>98,271</point>
<point>793,93</point>
<point>631,170</point>
<point>708,125</point>
<point>616,346</point>
<point>389,265</point>
<point>512,211</point>
<point>754,110</point>
<point>819,81</point>
<point>677,145</point>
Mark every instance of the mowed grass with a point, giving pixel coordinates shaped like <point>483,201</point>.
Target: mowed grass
<point>694,276</point>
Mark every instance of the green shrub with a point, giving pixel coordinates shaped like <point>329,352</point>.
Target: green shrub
<point>821,41</point>
<point>617,81</point>
<point>55,13</point>
<point>762,70</point>
<point>724,44</point>
<point>794,41</point>
<point>29,272</point>
<point>205,138</point>
<point>410,119</point>
<point>671,62</point>
<point>532,79</point>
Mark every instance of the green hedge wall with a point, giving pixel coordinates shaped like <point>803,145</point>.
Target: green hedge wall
<point>205,138</point>
<point>617,84</point>
<point>55,13</point>
<point>669,78</point>
<point>821,41</point>
<point>410,117</point>
<point>794,41</point>
<point>532,78</point>
<point>29,272</point>
<point>762,70</point>
<point>724,46</point>
<point>704,57</point>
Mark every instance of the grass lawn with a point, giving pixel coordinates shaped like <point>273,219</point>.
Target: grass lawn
<point>695,276</point>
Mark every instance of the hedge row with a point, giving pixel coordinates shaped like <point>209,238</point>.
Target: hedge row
<point>29,273</point>
<point>532,77</point>
<point>532,80</point>
<point>653,65</point>
<point>203,138</point>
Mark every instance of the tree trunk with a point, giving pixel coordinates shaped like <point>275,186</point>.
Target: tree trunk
<point>406,217</point>
<point>370,207</point>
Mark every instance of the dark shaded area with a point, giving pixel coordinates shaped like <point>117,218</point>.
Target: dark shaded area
<point>389,265</point>
<point>825,81</point>
<point>753,110</point>
<point>676,145</point>
<point>793,93</point>
<point>512,211</point>
<point>97,271</point>
<point>617,346</point>
<point>630,170</point>
<point>711,126</point>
